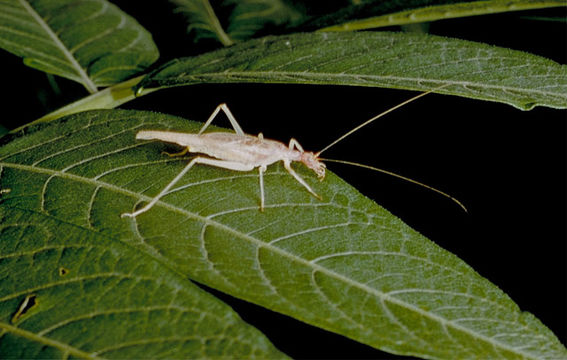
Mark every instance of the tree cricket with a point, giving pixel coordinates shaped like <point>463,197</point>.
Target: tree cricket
<point>242,152</point>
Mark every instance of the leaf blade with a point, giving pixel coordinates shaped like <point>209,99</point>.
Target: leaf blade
<point>66,39</point>
<point>343,263</point>
<point>97,297</point>
<point>443,11</point>
<point>202,20</point>
<point>246,18</point>
<point>403,61</point>
<point>250,17</point>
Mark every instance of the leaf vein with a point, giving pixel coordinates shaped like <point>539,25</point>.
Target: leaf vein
<point>65,282</point>
<point>91,315</point>
<point>49,342</point>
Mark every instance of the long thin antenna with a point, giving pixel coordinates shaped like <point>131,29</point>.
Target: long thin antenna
<point>399,177</point>
<point>379,116</point>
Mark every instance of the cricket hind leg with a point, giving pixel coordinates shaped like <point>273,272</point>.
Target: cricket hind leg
<point>198,160</point>
<point>228,114</point>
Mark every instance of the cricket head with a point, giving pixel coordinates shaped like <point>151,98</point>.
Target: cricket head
<point>311,160</point>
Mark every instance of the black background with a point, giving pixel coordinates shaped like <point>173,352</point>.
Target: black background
<point>507,166</point>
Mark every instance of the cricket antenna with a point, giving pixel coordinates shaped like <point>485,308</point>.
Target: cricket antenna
<point>379,116</point>
<point>399,177</point>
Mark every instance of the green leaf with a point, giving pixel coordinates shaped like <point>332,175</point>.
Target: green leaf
<point>83,290</point>
<point>425,11</point>
<point>247,17</point>
<point>342,263</point>
<point>403,61</point>
<point>91,42</point>
<point>202,20</point>
<point>251,16</point>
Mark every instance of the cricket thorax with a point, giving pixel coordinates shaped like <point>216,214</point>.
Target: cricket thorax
<point>312,162</point>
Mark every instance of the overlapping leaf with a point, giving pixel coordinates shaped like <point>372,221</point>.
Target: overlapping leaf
<point>342,263</point>
<point>246,18</point>
<point>202,20</point>
<point>405,61</point>
<point>369,14</point>
<point>432,11</point>
<point>249,17</point>
<point>88,41</point>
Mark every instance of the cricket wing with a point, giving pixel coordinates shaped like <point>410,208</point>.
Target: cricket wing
<point>243,149</point>
<point>183,139</point>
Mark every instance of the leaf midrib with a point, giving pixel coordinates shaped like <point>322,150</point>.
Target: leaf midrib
<point>223,36</point>
<point>87,82</point>
<point>281,252</point>
<point>326,75</point>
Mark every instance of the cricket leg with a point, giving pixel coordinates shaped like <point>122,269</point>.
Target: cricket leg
<point>261,171</point>
<point>293,144</point>
<point>165,190</point>
<point>229,115</point>
<point>287,166</point>
<point>198,160</point>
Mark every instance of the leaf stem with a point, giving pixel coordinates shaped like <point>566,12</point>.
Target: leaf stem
<point>108,98</point>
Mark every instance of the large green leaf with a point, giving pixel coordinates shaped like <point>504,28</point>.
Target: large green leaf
<point>433,12</point>
<point>405,61</point>
<point>342,263</point>
<point>247,17</point>
<point>88,41</point>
